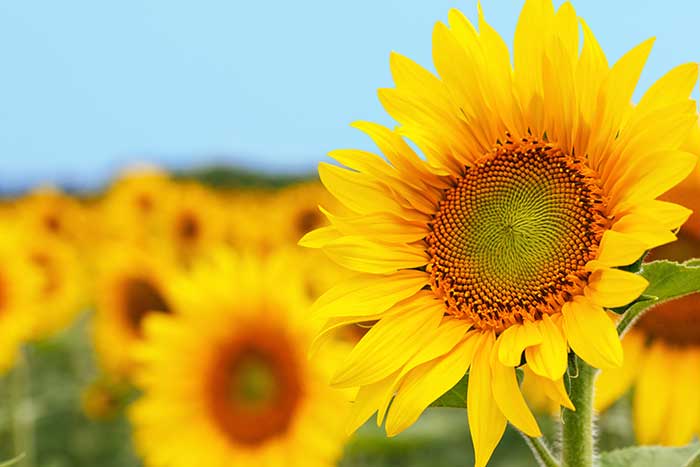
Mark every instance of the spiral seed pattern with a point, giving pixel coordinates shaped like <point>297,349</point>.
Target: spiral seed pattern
<point>511,239</point>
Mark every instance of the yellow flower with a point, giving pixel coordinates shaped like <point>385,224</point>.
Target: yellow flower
<point>662,350</point>
<point>227,381</point>
<point>130,283</point>
<point>296,210</point>
<point>18,285</point>
<point>132,205</point>
<point>539,180</point>
<point>192,222</point>
<point>50,212</point>
<point>63,289</point>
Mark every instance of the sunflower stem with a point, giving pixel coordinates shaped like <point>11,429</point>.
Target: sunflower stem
<point>540,451</point>
<point>577,426</point>
<point>21,412</point>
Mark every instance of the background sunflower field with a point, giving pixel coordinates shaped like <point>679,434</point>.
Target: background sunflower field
<point>157,172</point>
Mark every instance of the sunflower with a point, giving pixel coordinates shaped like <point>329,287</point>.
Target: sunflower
<point>227,381</point>
<point>132,205</point>
<point>18,285</point>
<point>192,222</point>
<point>500,248</point>
<point>53,213</point>
<point>662,350</point>
<point>247,221</point>
<point>130,284</point>
<point>63,289</point>
<point>296,211</point>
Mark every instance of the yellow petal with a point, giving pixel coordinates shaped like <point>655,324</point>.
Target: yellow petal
<point>427,382</point>
<point>652,395</point>
<point>380,226</point>
<point>486,421</point>
<point>443,340</point>
<point>667,215</point>
<point>675,85</point>
<point>389,344</point>
<point>363,255</point>
<point>369,293</point>
<point>684,412</point>
<point>510,400</point>
<point>591,333</point>
<point>655,175</point>
<point>617,249</point>
<point>645,229</point>
<point>514,340</point>
<point>549,358</point>
<point>612,288</point>
<point>612,383</point>
<point>319,237</point>
<point>368,399</point>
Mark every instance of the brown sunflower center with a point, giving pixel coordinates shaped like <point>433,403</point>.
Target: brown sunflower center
<point>676,322</point>
<point>141,297</point>
<point>188,227</point>
<point>53,223</point>
<point>307,220</point>
<point>255,386</point>
<point>511,239</point>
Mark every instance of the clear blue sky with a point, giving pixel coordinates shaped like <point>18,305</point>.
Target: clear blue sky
<point>88,86</point>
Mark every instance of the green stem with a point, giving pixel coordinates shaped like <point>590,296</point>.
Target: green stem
<point>21,412</point>
<point>577,426</point>
<point>540,451</point>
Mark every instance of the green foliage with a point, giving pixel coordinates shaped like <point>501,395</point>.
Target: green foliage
<point>667,280</point>
<point>230,177</point>
<point>455,397</point>
<point>649,456</point>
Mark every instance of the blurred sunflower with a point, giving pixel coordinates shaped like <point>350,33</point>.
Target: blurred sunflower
<point>297,212</point>
<point>50,212</point>
<point>224,384</point>
<point>131,206</point>
<point>130,284</point>
<point>248,220</point>
<point>63,289</point>
<point>662,350</point>
<point>192,222</point>
<point>18,285</point>
<point>539,181</point>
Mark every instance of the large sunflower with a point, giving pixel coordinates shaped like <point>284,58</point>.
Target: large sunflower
<point>662,350</point>
<point>501,247</point>
<point>227,382</point>
<point>130,284</point>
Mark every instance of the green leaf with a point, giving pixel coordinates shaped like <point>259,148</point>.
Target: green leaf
<point>648,456</point>
<point>667,280</point>
<point>455,397</point>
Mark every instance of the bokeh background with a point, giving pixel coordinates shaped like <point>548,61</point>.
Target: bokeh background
<point>238,96</point>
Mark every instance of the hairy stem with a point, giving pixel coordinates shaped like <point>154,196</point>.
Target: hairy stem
<point>577,426</point>
<point>540,451</point>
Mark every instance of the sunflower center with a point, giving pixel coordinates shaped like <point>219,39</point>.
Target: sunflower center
<point>188,227</point>
<point>677,322</point>
<point>142,297</point>
<point>307,220</point>
<point>511,239</point>
<point>255,386</point>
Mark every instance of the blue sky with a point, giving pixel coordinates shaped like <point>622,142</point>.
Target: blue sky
<point>87,87</point>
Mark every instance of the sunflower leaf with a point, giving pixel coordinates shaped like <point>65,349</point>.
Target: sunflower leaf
<point>455,397</point>
<point>649,456</point>
<point>667,280</point>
